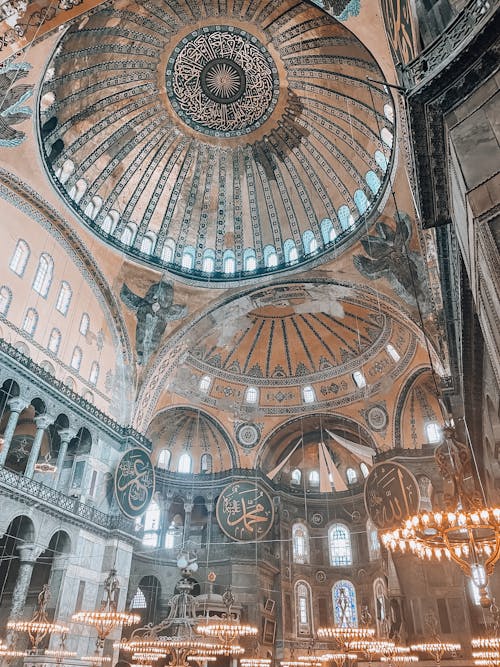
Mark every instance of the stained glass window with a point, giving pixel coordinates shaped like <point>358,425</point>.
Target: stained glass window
<point>344,604</point>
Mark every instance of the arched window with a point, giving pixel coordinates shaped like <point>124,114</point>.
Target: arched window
<point>5,299</point>
<point>249,260</point>
<point>352,476</point>
<point>389,113</point>
<point>300,543</point>
<point>386,136</point>
<point>173,536</point>
<point>392,352</point>
<point>84,324</point>
<point>164,459</point>
<point>30,321</point>
<point>64,297</point>
<point>205,383</point>
<point>76,358</point>
<point>296,476</point>
<point>148,244</point>
<point>67,169</point>
<point>110,221</point>
<point>20,257</point>
<point>187,260</point>
<point>373,541</point>
<point>168,250</point>
<point>380,600</point>
<point>314,478</point>
<point>48,367</point>
<point>54,340</point>
<point>270,256</point>
<point>359,379</point>
<point>345,611</point>
<point>208,265</point>
<point>372,181</point>
<point>361,201</point>
<point>128,234</point>
<point>139,600</point>
<point>381,160</point>
<point>327,231</point>
<point>339,543</point>
<point>184,464</point>
<point>345,217</point>
<point>433,433</point>
<point>290,251</point>
<point>94,373</point>
<point>309,242</point>
<point>43,276</point>
<point>206,463</point>
<point>229,262</point>
<point>364,469</point>
<point>303,608</point>
<point>78,190</point>
<point>251,395</point>
<point>93,207</point>
<point>308,394</point>
<point>152,519</point>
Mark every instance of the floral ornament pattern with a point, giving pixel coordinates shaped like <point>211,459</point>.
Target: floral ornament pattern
<point>390,257</point>
<point>12,99</point>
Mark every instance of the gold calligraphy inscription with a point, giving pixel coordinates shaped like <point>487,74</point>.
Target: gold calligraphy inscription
<point>391,494</point>
<point>245,511</point>
<point>134,482</point>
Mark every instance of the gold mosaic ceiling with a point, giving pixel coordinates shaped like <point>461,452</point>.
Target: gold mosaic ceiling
<point>218,139</point>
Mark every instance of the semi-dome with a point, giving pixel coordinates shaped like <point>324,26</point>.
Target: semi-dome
<point>294,347</point>
<point>216,141</point>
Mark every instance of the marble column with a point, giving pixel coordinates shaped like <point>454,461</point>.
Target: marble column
<point>66,436</point>
<point>16,406</point>
<point>188,508</point>
<point>28,553</point>
<point>42,422</point>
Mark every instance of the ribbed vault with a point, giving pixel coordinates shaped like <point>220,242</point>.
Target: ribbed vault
<point>220,139</point>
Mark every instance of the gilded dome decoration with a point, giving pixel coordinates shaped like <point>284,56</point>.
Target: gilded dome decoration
<point>215,144</point>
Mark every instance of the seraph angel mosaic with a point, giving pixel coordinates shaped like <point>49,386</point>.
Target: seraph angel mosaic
<point>13,97</point>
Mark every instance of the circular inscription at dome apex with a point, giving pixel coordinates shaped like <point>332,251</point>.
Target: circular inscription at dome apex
<point>222,81</point>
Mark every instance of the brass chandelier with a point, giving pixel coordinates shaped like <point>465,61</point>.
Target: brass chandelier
<point>107,617</point>
<point>466,532</point>
<point>39,626</point>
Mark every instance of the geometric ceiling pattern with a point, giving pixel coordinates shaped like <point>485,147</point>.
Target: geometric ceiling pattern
<point>216,139</point>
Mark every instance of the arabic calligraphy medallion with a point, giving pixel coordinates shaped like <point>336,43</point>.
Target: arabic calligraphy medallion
<point>391,494</point>
<point>222,81</point>
<point>134,482</point>
<point>245,511</point>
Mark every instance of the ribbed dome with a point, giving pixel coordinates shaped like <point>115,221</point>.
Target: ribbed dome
<point>217,139</point>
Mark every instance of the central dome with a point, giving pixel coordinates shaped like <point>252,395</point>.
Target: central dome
<point>219,141</point>
<point>222,81</point>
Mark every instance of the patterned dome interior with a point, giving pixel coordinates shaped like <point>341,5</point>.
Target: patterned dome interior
<point>216,141</point>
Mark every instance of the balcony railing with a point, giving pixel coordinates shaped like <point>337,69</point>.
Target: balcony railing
<point>450,41</point>
<point>29,489</point>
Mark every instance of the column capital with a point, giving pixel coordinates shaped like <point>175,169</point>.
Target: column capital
<point>44,421</point>
<point>66,435</point>
<point>188,507</point>
<point>17,404</point>
<point>28,552</point>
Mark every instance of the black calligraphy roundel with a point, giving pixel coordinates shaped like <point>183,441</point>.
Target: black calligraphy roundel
<point>391,495</point>
<point>245,511</point>
<point>134,482</point>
